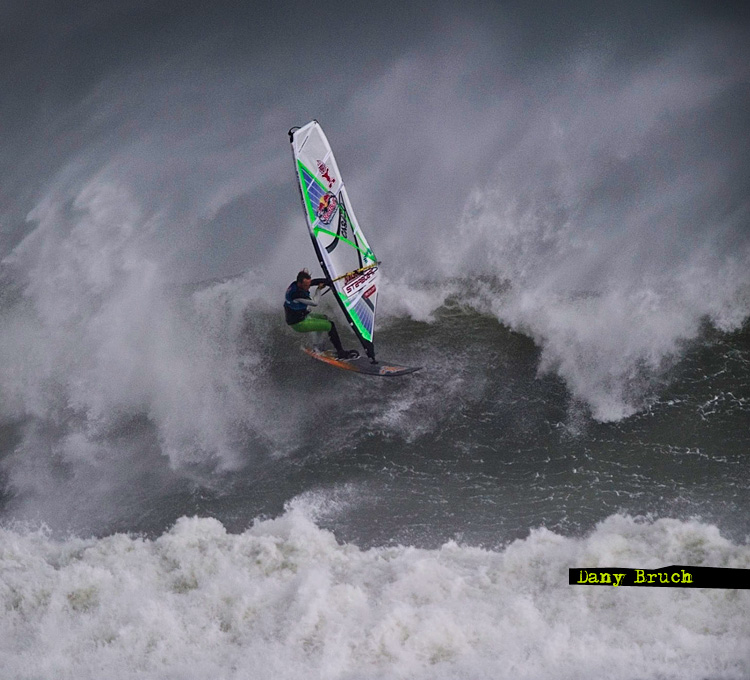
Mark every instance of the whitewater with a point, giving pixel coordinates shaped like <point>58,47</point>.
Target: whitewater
<point>285,599</point>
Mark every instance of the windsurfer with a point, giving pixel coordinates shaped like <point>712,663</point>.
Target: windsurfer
<point>297,303</point>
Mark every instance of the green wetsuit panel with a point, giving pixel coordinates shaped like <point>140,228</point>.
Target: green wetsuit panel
<point>313,322</point>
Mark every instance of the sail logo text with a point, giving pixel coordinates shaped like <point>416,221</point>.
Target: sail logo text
<point>325,174</point>
<point>343,231</point>
<point>361,280</point>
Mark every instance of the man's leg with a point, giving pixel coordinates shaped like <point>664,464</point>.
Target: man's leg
<point>333,334</point>
<point>321,323</point>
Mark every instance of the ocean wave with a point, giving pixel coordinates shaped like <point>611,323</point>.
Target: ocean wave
<point>284,599</point>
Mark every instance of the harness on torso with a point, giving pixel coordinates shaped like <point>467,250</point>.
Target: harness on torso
<point>293,310</point>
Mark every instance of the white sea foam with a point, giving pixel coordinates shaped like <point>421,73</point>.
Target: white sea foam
<point>102,343</point>
<point>615,253</point>
<point>284,599</point>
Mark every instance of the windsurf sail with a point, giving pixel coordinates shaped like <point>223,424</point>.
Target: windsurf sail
<point>340,244</point>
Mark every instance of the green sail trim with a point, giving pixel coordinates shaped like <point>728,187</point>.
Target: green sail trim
<point>355,318</point>
<point>367,254</point>
<point>359,313</point>
<point>303,184</point>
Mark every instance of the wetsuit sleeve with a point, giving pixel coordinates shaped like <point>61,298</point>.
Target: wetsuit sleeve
<point>310,302</point>
<point>316,282</point>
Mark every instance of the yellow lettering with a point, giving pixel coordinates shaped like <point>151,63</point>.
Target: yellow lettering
<point>639,576</point>
<point>686,577</point>
<point>618,579</point>
<point>582,578</point>
<point>651,578</point>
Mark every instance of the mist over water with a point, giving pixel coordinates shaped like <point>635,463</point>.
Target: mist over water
<point>561,204</point>
<point>619,223</point>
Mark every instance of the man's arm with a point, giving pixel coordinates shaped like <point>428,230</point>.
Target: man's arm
<point>310,302</point>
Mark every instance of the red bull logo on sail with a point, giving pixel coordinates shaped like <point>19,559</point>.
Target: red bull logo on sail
<point>327,208</point>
